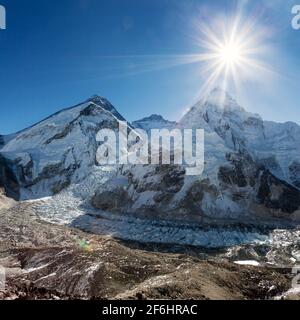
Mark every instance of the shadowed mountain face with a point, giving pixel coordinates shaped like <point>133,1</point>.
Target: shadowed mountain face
<point>251,175</point>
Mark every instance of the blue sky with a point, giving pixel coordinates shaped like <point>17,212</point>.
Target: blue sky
<point>56,53</point>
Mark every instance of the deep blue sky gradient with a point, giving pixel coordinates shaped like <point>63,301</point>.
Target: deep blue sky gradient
<point>56,53</point>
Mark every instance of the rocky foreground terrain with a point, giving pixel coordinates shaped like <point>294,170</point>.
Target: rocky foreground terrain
<point>47,261</point>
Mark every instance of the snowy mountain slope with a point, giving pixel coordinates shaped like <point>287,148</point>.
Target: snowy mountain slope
<point>242,179</point>
<point>274,145</point>
<point>220,113</point>
<point>45,158</point>
<point>280,150</point>
<point>242,192</point>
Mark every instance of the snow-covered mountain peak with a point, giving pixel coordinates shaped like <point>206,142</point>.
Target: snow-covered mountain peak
<point>98,100</point>
<point>218,93</point>
<point>219,101</point>
<point>60,150</point>
<point>154,117</point>
<point>154,122</point>
<point>274,145</point>
<point>105,104</point>
<point>219,112</point>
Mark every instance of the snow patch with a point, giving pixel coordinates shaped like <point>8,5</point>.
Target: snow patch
<point>247,263</point>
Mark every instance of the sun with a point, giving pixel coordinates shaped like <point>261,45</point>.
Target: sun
<point>233,51</point>
<point>230,51</point>
<point>231,54</point>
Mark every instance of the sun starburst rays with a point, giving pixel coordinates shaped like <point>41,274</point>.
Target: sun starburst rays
<point>227,53</point>
<point>232,55</point>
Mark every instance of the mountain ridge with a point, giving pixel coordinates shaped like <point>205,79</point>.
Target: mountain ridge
<point>247,167</point>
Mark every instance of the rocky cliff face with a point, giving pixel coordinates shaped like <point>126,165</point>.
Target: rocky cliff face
<point>244,193</point>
